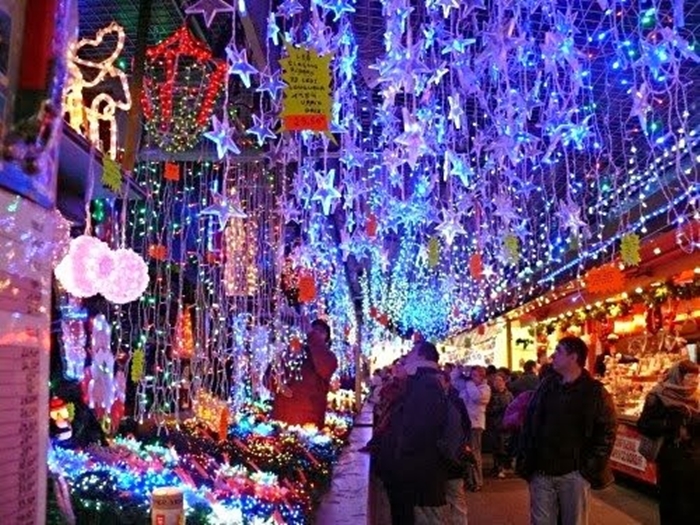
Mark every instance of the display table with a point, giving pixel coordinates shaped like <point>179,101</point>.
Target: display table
<point>346,503</point>
<point>625,458</point>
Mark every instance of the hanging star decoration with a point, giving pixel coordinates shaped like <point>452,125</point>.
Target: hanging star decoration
<point>273,30</point>
<point>224,209</point>
<point>447,6</point>
<point>238,64</point>
<point>209,9</point>
<point>629,249</point>
<point>261,130</point>
<point>339,8</point>
<point>456,111</point>
<point>450,226</point>
<point>326,192</point>
<point>569,215</point>
<point>221,136</point>
<point>289,8</point>
<point>271,84</point>
<point>412,139</point>
<point>503,208</point>
<point>641,105</point>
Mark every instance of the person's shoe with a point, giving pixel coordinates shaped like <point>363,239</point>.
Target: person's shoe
<point>501,475</point>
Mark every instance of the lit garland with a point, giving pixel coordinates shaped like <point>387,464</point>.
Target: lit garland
<point>104,106</point>
<point>119,480</point>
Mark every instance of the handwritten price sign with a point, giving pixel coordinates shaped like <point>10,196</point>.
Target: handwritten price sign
<point>307,95</point>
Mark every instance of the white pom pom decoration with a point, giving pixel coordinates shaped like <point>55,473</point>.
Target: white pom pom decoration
<point>129,279</point>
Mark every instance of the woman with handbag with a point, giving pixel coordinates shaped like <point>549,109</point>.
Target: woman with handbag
<point>671,421</point>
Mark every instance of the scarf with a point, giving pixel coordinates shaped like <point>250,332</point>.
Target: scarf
<point>673,394</point>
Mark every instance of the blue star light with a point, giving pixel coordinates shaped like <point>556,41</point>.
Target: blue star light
<point>209,9</point>
<point>289,8</point>
<point>238,64</point>
<point>221,136</point>
<point>260,130</point>
<point>271,84</point>
<point>326,192</point>
<point>224,209</point>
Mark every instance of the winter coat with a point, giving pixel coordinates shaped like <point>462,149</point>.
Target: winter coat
<point>527,381</point>
<point>584,438</point>
<point>407,453</point>
<point>678,462</point>
<point>309,393</point>
<point>476,398</point>
<point>496,409</point>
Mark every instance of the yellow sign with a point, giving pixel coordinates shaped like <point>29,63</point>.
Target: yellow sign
<point>111,174</point>
<point>307,95</point>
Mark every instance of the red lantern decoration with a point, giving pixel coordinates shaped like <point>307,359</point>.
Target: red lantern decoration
<point>372,226</point>
<point>295,344</point>
<point>158,252</point>
<point>172,172</point>
<point>180,91</point>
<point>476,266</point>
<point>307,287</point>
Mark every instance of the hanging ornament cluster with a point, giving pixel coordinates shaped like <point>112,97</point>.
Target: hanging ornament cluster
<point>629,249</point>
<point>91,267</point>
<point>182,83</point>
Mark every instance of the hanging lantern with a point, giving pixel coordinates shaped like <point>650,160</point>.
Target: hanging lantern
<point>307,287</point>
<point>129,280</point>
<point>88,264</point>
<point>476,266</point>
<point>183,344</point>
<point>372,226</point>
<point>180,90</point>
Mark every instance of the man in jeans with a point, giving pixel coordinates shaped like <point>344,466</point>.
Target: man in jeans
<point>476,396</point>
<point>567,439</point>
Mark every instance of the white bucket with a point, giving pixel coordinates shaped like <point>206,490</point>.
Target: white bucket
<point>167,506</point>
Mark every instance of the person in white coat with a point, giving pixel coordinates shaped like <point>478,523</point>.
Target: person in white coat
<point>476,396</point>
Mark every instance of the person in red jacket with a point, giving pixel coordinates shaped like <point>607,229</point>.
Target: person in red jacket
<point>302,400</point>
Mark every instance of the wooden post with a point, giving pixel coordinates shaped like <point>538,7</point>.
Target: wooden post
<point>133,125</point>
<point>509,342</point>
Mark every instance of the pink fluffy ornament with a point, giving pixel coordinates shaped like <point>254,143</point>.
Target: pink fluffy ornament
<point>88,263</point>
<point>129,279</point>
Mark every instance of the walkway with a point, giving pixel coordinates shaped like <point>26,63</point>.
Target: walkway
<point>505,502</point>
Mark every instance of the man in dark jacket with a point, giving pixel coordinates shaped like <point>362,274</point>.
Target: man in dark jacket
<point>527,381</point>
<point>408,459</point>
<point>567,439</point>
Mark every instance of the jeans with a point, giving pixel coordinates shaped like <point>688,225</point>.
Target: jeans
<point>430,515</point>
<point>476,474</point>
<point>456,502</point>
<point>551,496</point>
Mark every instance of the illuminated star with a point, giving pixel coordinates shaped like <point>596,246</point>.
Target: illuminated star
<point>271,84</point>
<point>238,64</point>
<point>654,57</point>
<point>289,8</point>
<point>339,8</point>
<point>224,209</point>
<point>503,208</point>
<point>450,226</point>
<point>641,105</point>
<point>209,9</point>
<point>326,192</point>
<point>456,111</point>
<point>260,130</point>
<point>569,215</point>
<point>273,30</point>
<point>221,136</point>
<point>412,139</point>
<point>447,6</point>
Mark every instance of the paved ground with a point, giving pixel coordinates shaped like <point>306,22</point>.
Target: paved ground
<point>505,502</point>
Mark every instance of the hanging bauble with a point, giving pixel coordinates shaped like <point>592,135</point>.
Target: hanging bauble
<point>129,280</point>
<point>307,287</point>
<point>476,266</point>
<point>371,226</point>
<point>138,365</point>
<point>511,249</point>
<point>181,85</point>
<point>83,270</point>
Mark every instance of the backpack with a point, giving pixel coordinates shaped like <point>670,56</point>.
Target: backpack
<point>453,444</point>
<point>514,417</point>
